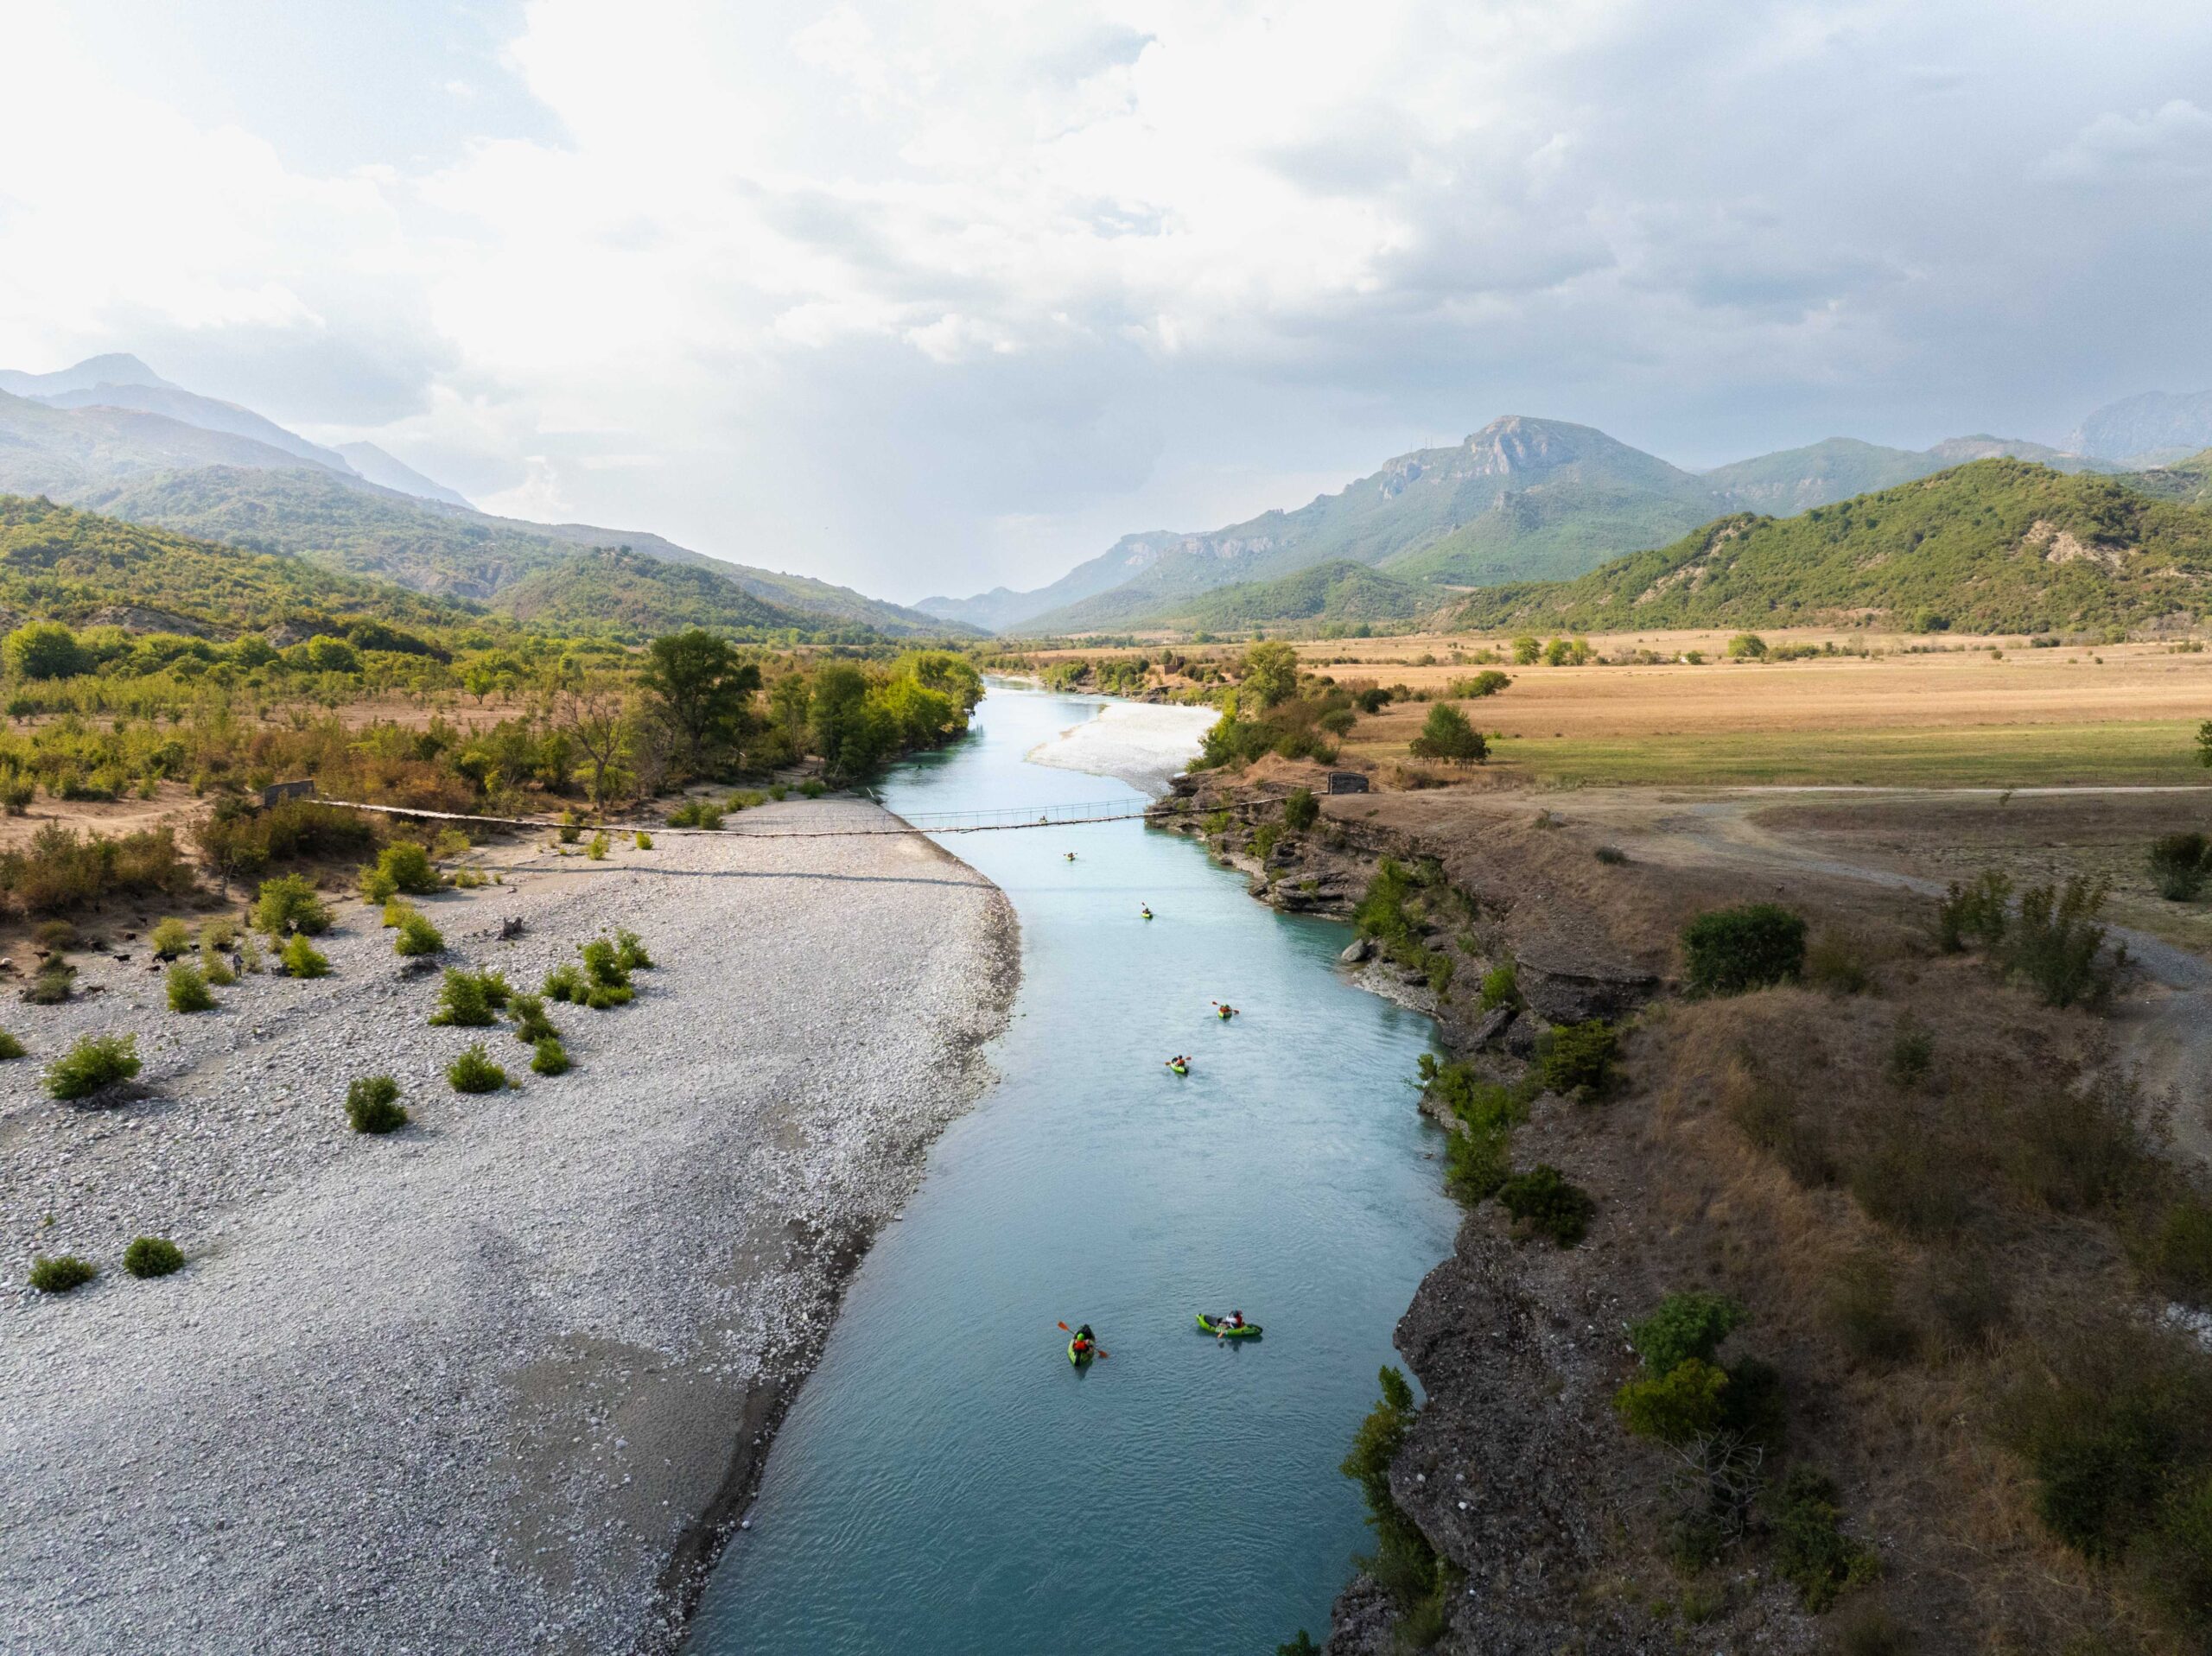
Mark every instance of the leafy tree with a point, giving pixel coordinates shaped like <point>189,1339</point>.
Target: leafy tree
<point>704,687</point>
<point>595,716</point>
<point>1525,651</point>
<point>1270,675</point>
<point>1447,735</point>
<point>1746,646</point>
<point>45,650</point>
<point>2204,744</point>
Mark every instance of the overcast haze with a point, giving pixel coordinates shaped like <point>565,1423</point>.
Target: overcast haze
<point>924,298</point>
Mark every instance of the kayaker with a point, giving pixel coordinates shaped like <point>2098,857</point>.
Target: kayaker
<point>1083,1341</point>
<point>1237,1319</point>
<point>1071,856</point>
<point>1146,911</point>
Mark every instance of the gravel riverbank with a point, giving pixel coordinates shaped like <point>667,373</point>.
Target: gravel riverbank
<point>492,1383</point>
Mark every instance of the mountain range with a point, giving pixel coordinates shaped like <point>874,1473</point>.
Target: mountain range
<point>111,435</point>
<point>1993,546</point>
<point>1521,499</point>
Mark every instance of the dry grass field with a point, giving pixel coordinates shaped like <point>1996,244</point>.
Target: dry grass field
<point>1912,713</point>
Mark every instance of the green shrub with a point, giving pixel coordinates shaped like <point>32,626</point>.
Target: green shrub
<point>1501,987</point>
<point>1300,810</point>
<point>1447,735</point>
<point>169,939</point>
<point>1477,1161</point>
<point>1912,1054</point>
<point>1811,1552</point>
<point>1976,914</point>
<point>812,787</point>
<point>9,1047</point>
<point>301,959</point>
<point>288,903</point>
<point>1575,1060</point>
<point>1684,1326</point>
<point>2054,944</point>
<point>777,792</point>
<point>548,1056</point>
<point>570,829</point>
<point>416,936</point>
<point>62,1273</point>
<point>52,985</point>
<point>187,989</point>
<point>466,1001</point>
<point>60,869</point>
<point>96,1061</point>
<point>377,886</point>
<point>532,1026</point>
<point>603,964</point>
<point>697,814</point>
<point>1684,1404</point>
<point>474,1072</point>
<point>372,1105</point>
<point>2179,864</point>
<point>603,997</point>
<point>565,983</point>
<point>630,952</point>
<point>597,847</point>
<point>1404,1564</point>
<point>2176,1253</point>
<point>1547,1204</point>
<point>644,841</point>
<point>215,967</point>
<point>1728,951</point>
<point>152,1256</point>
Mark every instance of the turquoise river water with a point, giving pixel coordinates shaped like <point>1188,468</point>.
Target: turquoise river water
<point>946,1482</point>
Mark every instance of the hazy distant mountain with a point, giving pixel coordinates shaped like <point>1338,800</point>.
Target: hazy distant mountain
<point>111,434</point>
<point>116,368</point>
<point>1340,592</point>
<point>459,552</point>
<point>121,380</point>
<point>387,473</point>
<point>68,452</point>
<point>1521,499</point>
<point>2151,429</point>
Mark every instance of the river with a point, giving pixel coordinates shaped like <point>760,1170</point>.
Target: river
<point>946,1482</point>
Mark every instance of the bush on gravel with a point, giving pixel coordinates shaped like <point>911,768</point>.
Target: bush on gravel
<point>372,1105</point>
<point>474,1072</point>
<point>416,936</point>
<point>152,1256</point>
<point>169,939</point>
<point>469,999</point>
<point>301,959</point>
<point>288,903</point>
<point>187,988</point>
<point>61,1274</point>
<point>549,1057</point>
<point>95,1061</point>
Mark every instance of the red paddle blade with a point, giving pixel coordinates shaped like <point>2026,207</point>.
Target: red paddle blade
<point>1063,1328</point>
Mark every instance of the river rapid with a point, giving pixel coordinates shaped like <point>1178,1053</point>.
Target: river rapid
<point>946,1481</point>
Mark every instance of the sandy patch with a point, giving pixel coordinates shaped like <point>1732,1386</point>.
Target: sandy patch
<point>1136,742</point>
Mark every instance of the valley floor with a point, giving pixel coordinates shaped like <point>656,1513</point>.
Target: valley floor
<point>493,1382</point>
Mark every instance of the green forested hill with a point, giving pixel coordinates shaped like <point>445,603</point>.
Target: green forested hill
<point>2184,479</point>
<point>1999,545</point>
<point>627,594</point>
<point>463,552</point>
<point>1343,591</point>
<point>64,563</point>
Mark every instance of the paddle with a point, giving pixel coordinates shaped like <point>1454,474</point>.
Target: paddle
<point>1096,1349</point>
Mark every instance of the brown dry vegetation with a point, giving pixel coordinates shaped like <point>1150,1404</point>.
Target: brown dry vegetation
<point>1919,1246</point>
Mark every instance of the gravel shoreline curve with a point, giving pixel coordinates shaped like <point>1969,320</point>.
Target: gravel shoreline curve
<point>499,1381</point>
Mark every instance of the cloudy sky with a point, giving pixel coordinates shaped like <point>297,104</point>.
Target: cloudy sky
<point>926,297</point>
